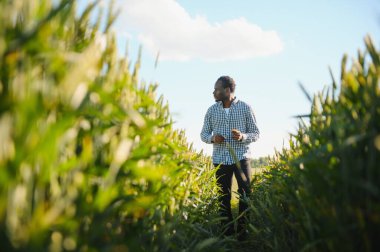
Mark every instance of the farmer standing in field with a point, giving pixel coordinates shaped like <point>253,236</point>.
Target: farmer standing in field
<point>230,125</point>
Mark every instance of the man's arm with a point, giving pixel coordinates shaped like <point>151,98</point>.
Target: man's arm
<point>206,134</point>
<point>253,132</point>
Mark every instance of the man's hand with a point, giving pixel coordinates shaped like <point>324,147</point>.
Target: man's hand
<point>237,135</point>
<point>218,139</point>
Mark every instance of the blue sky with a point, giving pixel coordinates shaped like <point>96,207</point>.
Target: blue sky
<point>266,46</point>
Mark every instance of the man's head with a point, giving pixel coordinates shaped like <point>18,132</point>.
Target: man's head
<point>224,88</point>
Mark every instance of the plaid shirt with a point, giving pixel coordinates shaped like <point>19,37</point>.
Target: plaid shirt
<point>217,121</point>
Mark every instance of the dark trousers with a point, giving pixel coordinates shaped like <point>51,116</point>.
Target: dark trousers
<point>224,180</point>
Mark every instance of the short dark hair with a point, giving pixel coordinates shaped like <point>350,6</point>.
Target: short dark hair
<point>227,82</point>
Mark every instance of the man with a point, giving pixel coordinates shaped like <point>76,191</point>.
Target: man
<point>230,125</point>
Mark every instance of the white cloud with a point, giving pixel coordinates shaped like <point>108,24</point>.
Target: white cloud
<point>165,26</point>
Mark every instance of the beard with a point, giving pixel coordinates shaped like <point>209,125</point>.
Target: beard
<point>220,98</point>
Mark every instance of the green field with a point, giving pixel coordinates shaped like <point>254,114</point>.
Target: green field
<point>90,161</point>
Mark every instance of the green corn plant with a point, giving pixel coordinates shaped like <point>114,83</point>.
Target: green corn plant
<point>322,194</point>
<point>89,159</point>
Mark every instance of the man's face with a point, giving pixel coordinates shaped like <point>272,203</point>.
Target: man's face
<point>220,93</point>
